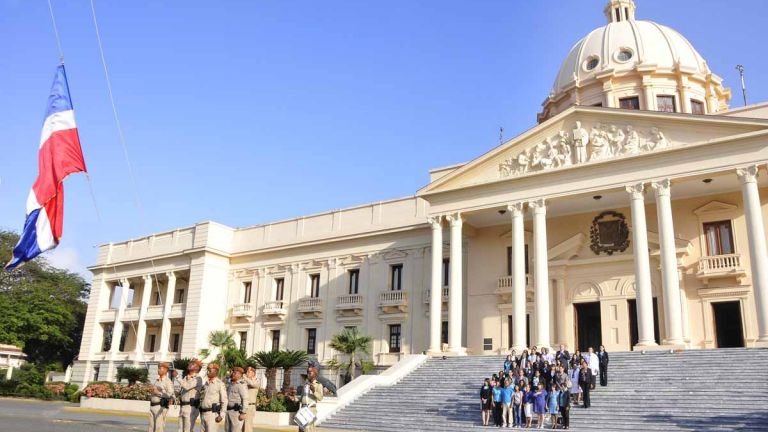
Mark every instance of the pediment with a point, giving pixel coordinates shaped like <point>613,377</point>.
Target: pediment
<point>583,136</point>
<point>715,207</point>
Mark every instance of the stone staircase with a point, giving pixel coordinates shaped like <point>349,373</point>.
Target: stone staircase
<point>695,390</point>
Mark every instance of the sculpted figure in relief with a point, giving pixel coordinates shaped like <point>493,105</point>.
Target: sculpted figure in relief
<point>599,142</point>
<point>580,141</point>
<point>632,145</point>
<point>522,163</point>
<point>565,157</point>
<point>657,139</point>
<point>616,138</point>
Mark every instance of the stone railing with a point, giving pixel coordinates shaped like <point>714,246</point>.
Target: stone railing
<point>242,310</point>
<point>274,307</point>
<point>393,301</point>
<point>155,312</point>
<point>444,294</point>
<point>720,266</point>
<point>310,304</point>
<point>349,301</point>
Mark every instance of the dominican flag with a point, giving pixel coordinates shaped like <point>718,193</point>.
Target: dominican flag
<point>60,155</point>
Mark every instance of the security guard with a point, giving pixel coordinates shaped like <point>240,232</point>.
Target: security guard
<point>213,400</point>
<point>237,396</point>
<point>162,394</point>
<point>252,384</point>
<point>311,394</point>
<point>188,388</point>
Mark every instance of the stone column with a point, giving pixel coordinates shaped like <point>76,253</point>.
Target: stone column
<point>435,300</point>
<point>559,317</point>
<point>540,272</point>
<point>672,306</point>
<point>643,292</point>
<point>518,277</point>
<point>117,328</point>
<point>456,290</point>
<point>141,331</point>
<point>165,330</point>
<point>758,257</point>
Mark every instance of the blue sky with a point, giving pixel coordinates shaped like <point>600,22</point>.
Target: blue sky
<point>245,112</point>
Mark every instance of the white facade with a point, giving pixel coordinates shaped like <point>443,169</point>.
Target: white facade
<point>620,227</point>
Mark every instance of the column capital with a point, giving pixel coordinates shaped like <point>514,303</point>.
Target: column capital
<point>516,209</point>
<point>436,222</point>
<point>662,187</point>
<point>125,282</point>
<point>454,219</point>
<point>170,275</point>
<point>748,174</point>
<point>147,278</point>
<point>538,206</point>
<point>636,190</point>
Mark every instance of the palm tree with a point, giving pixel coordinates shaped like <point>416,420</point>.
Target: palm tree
<point>351,342</point>
<point>222,345</point>
<point>271,361</point>
<point>291,359</point>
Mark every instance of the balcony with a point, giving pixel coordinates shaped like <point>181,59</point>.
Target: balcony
<point>393,301</point>
<point>504,287</point>
<point>131,313</point>
<point>311,307</point>
<point>350,305</point>
<point>107,315</point>
<point>155,312</point>
<point>243,310</point>
<point>720,266</point>
<point>275,308</point>
<point>177,310</point>
<point>428,295</point>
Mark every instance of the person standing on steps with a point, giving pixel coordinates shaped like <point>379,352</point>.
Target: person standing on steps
<point>574,375</point>
<point>506,400</point>
<point>540,405</point>
<point>528,405</point>
<point>565,407</point>
<point>603,357</point>
<point>497,410</point>
<point>585,381</point>
<point>594,366</point>
<point>562,356</point>
<point>517,406</point>
<point>553,403</point>
<point>486,402</point>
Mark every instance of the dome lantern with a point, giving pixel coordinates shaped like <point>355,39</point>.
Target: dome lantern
<point>620,10</point>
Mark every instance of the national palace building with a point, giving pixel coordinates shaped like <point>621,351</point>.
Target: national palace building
<point>631,215</point>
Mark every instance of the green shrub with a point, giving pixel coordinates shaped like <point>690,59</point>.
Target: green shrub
<point>277,403</point>
<point>132,374</point>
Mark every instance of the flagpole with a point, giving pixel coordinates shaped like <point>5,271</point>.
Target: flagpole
<point>56,32</point>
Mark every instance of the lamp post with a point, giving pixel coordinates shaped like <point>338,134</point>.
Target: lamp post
<point>740,68</point>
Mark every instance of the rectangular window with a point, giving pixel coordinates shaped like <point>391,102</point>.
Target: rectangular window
<point>446,271</point>
<point>175,342</point>
<point>487,344</point>
<point>129,298</point>
<point>179,297</point>
<point>632,103</point>
<point>275,340</point>
<point>279,289</point>
<point>311,340</point>
<point>397,277</point>
<point>96,373</point>
<point>123,337</point>
<point>314,285</point>
<point>665,103</point>
<point>394,338</point>
<point>444,332</point>
<point>509,260</point>
<point>243,341</point>
<point>719,236</point>
<point>697,107</point>
<point>158,299</point>
<point>114,301</point>
<point>354,281</point>
<point>107,339</point>
<point>152,339</point>
<point>247,292</point>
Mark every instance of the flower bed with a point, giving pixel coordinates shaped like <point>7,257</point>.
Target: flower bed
<point>108,390</point>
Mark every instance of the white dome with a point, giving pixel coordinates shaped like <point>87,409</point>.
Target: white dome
<point>646,43</point>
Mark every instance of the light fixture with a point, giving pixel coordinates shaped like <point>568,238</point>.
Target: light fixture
<point>707,180</point>
<point>502,211</point>
<point>597,197</point>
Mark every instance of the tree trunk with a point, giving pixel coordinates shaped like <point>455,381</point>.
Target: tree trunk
<point>287,378</point>
<point>271,381</point>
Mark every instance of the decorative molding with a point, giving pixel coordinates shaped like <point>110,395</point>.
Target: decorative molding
<point>715,207</point>
<point>636,191</point>
<point>436,222</point>
<point>538,206</point>
<point>662,187</point>
<point>609,238</point>
<point>454,219</point>
<point>580,146</point>
<point>748,174</point>
<point>516,209</point>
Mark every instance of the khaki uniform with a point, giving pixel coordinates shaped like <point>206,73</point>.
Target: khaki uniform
<point>253,393</point>
<point>214,393</point>
<point>311,398</point>
<point>188,389</point>
<point>157,412</point>
<point>237,397</point>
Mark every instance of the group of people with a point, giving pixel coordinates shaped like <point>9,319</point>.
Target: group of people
<point>230,403</point>
<point>537,385</point>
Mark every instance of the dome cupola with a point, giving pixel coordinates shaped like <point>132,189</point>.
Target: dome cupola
<point>635,64</point>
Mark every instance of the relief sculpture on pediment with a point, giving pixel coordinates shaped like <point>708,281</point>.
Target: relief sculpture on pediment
<point>601,142</point>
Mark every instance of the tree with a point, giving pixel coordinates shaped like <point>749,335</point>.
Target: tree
<point>42,308</point>
<point>132,374</point>
<point>352,343</point>
<point>291,359</point>
<point>221,347</point>
<point>271,361</point>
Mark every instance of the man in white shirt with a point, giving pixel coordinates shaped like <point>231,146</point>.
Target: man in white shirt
<point>594,365</point>
<point>546,356</point>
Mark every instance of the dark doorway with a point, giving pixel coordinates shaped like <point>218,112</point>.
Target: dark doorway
<point>728,328</point>
<point>634,338</point>
<point>510,330</point>
<point>588,325</point>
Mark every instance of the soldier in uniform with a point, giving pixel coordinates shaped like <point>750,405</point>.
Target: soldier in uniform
<point>252,384</point>
<point>310,394</point>
<point>237,397</point>
<point>188,388</point>
<point>213,400</point>
<point>162,394</point>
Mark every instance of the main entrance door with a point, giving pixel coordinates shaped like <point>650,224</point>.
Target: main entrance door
<point>510,330</point>
<point>633,334</point>
<point>589,331</point>
<point>728,327</point>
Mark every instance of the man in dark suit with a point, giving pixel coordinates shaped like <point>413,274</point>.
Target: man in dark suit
<point>585,381</point>
<point>603,356</point>
<point>562,356</point>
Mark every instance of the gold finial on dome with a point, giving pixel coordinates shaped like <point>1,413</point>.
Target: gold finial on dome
<point>620,10</point>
